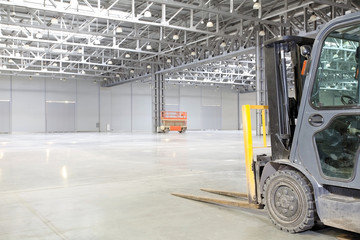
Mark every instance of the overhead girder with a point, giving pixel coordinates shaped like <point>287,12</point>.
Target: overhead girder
<point>235,23</point>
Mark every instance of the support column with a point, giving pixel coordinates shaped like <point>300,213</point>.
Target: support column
<point>260,76</point>
<point>260,81</point>
<point>158,101</point>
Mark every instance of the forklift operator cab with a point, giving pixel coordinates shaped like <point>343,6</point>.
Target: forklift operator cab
<point>327,136</point>
<point>335,99</point>
<point>336,89</point>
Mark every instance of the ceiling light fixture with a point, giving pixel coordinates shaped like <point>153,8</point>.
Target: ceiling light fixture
<point>110,62</point>
<point>127,55</point>
<point>147,14</point>
<point>262,33</point>
<point>97,42</point>
<point>55,64</point>
<point>66,58</point>
<point>223,44</point>
<point>132,71</point>
<point>117,75</point>
<point>148,46</point>
<point>257,5</point>
<point>168,60</point>
<point>38,35</point>
<point>119,30</point>
<point>95,68</point>
<point>176,37</point>
<point>54,21</point>
<point>148,66</point>
<point>74,3</point>
<point>193,53</point>
<point>209,24</point>
<point>17,54</point>
<point>80,50</point>
<point>11,61</point>
<point>82,72</point>
<point>312,18</point>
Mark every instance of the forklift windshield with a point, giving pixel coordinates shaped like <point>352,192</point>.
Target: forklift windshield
<point>336,86</point>
<point>336,83</point>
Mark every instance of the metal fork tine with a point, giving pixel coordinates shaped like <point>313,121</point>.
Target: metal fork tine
<point>226,193</point>
<point>232,203</point>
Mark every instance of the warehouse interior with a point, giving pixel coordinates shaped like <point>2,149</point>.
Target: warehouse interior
<point>82,87</point>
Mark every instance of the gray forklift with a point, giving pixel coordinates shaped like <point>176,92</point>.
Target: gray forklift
<point>313,173</point>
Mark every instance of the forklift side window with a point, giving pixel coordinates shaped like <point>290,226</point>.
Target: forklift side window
<point>338,147</point>
<point>336,82</point>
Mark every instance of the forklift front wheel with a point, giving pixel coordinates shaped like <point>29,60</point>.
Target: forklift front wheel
<point>289,201</point>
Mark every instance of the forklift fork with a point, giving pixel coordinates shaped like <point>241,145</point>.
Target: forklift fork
<point>239,199</point>
<point>253,169</point>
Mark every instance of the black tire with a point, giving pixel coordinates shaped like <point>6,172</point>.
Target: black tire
<point>182,130</point>
<point>289,201</point>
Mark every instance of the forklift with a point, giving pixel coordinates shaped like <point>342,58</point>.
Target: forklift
<point>313,173</point>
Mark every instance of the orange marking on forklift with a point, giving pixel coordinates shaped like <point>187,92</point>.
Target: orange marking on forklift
<point>303,68</point>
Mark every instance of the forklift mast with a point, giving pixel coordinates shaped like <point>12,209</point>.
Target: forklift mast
<point>283,110</point>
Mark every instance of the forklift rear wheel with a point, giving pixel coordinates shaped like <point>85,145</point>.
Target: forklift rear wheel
<point>289,201</point>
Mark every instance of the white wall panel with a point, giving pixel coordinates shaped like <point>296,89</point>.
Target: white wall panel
<point>229,109</point>
<point>211,96</point>
<point>121,108</point>
<point>87,115</point>
<point>172,94</point>
<point>5,117</point>
<point>28,104</point>
<point>172,97</point>
<point>105,109</point>
<point>190,102</point>
<point>57,90</point>
<point>211,117</point>
<point>5,111</point>
<point>60,117</point>
<point>245,99</point>
<point>211,108</point>
<point>141,107</point>
<point>5,86</point>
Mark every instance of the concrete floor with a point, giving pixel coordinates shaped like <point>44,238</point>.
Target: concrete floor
<point>117,186</point>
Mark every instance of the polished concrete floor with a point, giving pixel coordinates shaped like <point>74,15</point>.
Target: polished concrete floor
<point>88,186</point>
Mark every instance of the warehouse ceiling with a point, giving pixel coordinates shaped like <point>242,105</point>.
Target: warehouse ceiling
<point>116,41</point>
